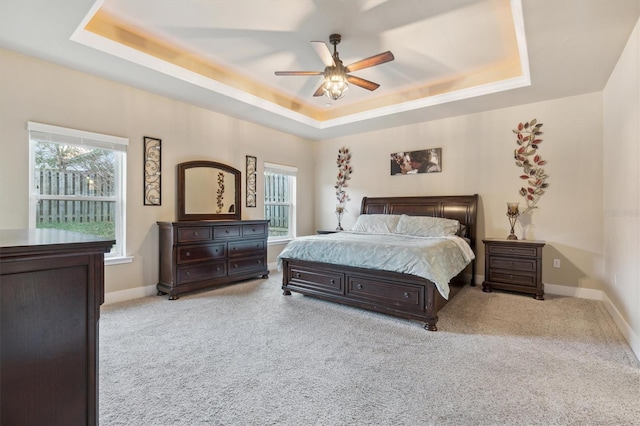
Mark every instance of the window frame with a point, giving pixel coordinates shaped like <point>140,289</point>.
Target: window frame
<point>68,136</point>
<point>291,172</point>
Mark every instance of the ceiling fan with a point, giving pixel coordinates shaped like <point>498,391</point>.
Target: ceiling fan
<point>337,75</point>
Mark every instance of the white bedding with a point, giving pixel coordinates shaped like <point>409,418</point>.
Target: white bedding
<point>437,259</point>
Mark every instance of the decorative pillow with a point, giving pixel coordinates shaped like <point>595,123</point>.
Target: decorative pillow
<point>427,226</point>
<point>376,223</point>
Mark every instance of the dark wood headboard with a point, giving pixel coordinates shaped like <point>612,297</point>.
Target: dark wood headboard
<point>463,208</point>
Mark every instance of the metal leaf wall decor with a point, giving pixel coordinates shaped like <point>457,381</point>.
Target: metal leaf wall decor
<point>526,156</point>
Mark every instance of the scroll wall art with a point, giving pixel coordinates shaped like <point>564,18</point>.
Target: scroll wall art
<point>252,169</point>
<point>152,172</point>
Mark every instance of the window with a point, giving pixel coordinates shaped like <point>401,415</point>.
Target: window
<point>77,182</point>
<point>280,201</point>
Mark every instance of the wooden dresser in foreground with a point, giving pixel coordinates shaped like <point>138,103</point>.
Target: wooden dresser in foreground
<point>196,254</point>
<point>513,265</point>
<point>51,289</point>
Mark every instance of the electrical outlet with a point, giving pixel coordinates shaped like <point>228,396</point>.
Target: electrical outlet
<point>556,263</point>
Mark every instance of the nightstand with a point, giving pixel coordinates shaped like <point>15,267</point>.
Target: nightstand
<point>513,265</point>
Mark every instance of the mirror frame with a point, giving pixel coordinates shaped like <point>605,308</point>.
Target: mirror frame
<point>183,215</point>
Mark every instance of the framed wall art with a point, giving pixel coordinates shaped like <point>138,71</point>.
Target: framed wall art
<point>152,171</point>
<point>252,168</point>
<point>414,162</point>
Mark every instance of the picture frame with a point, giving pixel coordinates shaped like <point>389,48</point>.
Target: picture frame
<point>152,171</point>
<point>414,162</point>
<point>251,177</point>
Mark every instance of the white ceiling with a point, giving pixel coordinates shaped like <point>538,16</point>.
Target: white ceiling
<point>445,50</point>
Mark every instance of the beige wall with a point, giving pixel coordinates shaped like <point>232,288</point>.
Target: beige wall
<point>34,90</point>
<point>477,153</point>
<point>622,188</point>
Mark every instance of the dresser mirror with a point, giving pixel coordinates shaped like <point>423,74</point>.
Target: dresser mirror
<point>208,191</point>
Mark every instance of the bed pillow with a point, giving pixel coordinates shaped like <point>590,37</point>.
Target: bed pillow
<point>427,226</point>
<point>376,223</point>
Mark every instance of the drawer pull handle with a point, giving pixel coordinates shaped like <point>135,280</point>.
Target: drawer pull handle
<point>298,275</point>
<point>218,269</point>
<point>259,262</point>
<point>195,233</point>
<point>333,281</point>
<point>227,231</point>
<point>188,254</point>
<point>511,250</point>
<point>235,265</point>
<point>253,229</point>
<point>359,286</point>
<point>510,277</point>
<point>406,295</point>
<point>188,273</point>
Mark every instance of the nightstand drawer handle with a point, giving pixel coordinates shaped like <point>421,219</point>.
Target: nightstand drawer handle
<point>511,250</point>
<point>195,233</point>
<point>333,281</point>
<point>406,295</point>
<point>188,254</point>
<point>359,286</point>
<point>510,277</point>
<point>298,275</point>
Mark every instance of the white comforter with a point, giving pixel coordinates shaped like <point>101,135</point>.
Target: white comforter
<point>436,259</point>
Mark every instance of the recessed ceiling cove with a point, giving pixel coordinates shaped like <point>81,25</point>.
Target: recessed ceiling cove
<point>442,50</point>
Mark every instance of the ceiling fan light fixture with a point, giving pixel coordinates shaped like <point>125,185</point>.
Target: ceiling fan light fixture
<point>335,82</point>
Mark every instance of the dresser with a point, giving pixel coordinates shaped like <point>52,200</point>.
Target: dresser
<point>195,255</point>
<point>513,265</point>
<point>51,289</point>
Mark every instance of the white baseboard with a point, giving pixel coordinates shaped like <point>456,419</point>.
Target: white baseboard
<point>130,294</point>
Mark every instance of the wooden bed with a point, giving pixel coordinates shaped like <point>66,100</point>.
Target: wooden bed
<point>402,295</point>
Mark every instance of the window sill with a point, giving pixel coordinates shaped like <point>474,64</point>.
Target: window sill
<point>117,260</point>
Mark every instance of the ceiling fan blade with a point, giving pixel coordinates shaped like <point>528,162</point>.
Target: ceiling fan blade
<point>319,91</point>
<point>299,73</point>
<point>378,59</point>
<point>324,53</point>
<point>361,82</point>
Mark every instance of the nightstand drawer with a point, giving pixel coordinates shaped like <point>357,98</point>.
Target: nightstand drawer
<point>513,250</point>
<point>514,278</point>
<point>514,263</point>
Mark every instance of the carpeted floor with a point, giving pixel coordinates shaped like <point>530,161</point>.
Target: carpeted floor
<point>247,355</point>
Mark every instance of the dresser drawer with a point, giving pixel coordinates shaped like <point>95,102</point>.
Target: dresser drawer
<point>407,296</point>
<point>226,231</point>
<point>513,250</point>
<point>254,230</point>
<point>241,248</point>
<point>241,266</point>
<point>513,263</point>
<point>516,278</point>
<point>193,234</point>
<point>323,281</point>
<point>200,272</point>
<point>196,253</point>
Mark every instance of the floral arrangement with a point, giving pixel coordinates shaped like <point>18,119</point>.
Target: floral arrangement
<point>344,174</point>
<point>220,195</point>
<point>526,156</point>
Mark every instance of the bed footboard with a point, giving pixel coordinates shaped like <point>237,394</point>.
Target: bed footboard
<point>400,295</point>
